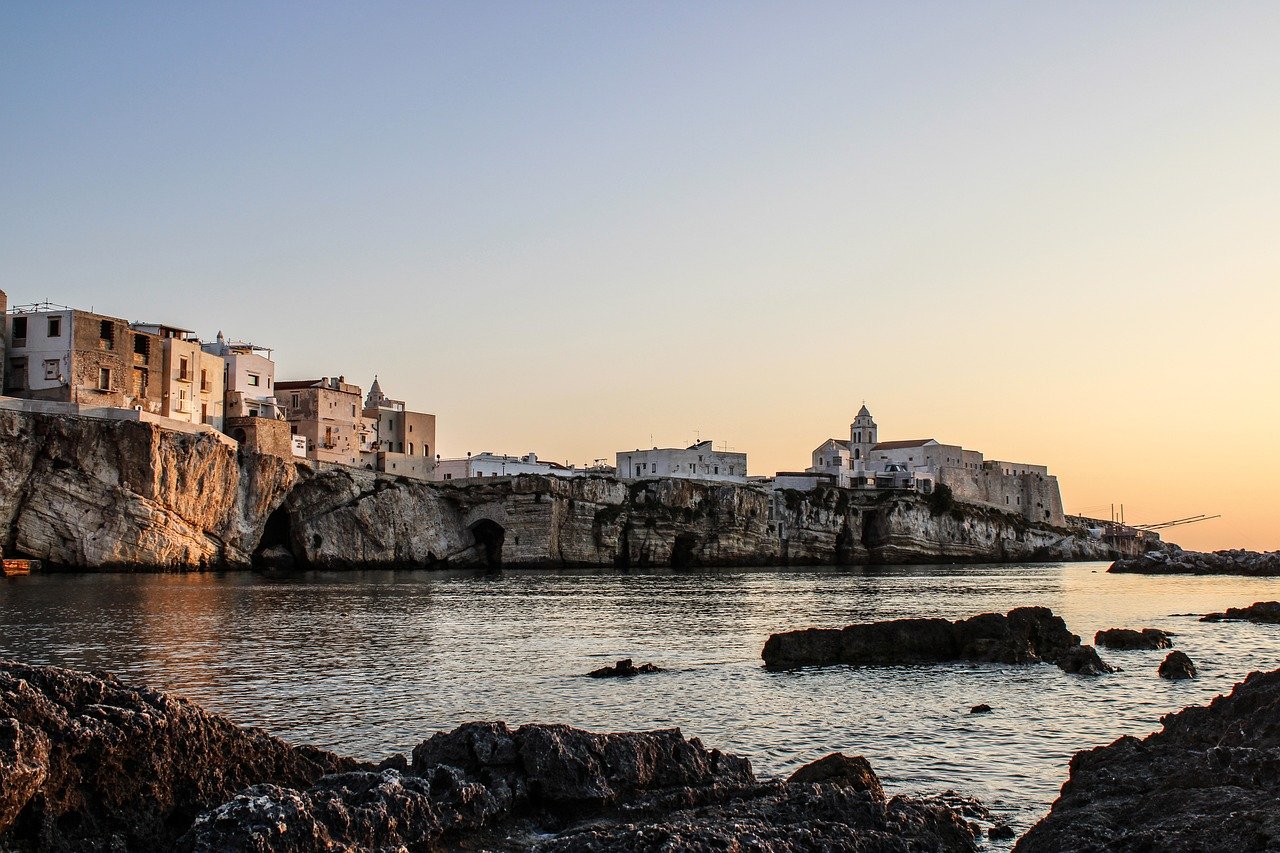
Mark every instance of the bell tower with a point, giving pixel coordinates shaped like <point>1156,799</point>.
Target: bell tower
<point>862,434</point>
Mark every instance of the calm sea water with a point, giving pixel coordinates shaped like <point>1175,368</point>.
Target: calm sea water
<point>371,663</point>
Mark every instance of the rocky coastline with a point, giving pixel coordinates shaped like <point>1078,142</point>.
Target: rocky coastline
<point>1169,559</point>
<point>84,494</point>
<point>88,763</point>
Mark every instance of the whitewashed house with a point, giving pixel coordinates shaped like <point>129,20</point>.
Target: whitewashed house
<point>698,462</point>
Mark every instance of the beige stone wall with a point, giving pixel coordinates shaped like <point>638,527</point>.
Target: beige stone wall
<point>328,417</point>
<point>262,435</point>
<point>1034,496</point>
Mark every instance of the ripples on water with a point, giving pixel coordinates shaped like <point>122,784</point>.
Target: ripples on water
<point>371,663</point>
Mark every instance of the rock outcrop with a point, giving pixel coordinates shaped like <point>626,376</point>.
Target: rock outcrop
<point>89,763</point>
<point>1172,560</point>
<point>1264,612</point>
<point>623,669</point>
<point>87,493</point>
<point>1023,635</point>
<point>1127,639</point>
<point>1208,781</point>
<point>1177,665</point>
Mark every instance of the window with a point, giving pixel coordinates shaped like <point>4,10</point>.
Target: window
<point>204,380</point>
<point>51,366</point>
<point>353,410</point>
<point>255,380</point>
<point>184,368</point>
<point>717,470</point>
<point>411,448</point>
<point>448,476</point>
<point>104,379</point>
<point>295,401</point>
<point>142,347</point>
<point>19,331</point>
<point>55,327</point>
<point>107,334</point>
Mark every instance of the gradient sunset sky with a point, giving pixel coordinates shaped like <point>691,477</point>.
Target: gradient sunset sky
<point>1046,231</point>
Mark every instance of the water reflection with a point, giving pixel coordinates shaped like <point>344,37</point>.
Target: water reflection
<point>370,663</point>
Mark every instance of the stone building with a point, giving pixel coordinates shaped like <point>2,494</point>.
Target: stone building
<point>65,355</point>
<point>488,464</point>
<point>396,440</point>
<point>700,461</point>
<point>865,462</point>
<point>327,413</point>
<point>249,377</point>
<point>191,379</point>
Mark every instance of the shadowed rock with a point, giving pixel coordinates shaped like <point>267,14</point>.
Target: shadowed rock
<point>1083,660</point>
<point>1177,666</point>
<point>1023,635</point>
<point>1172,560</point>
<point>980,709</point>
<point>1209,780</point>
<point>1266,612</point>
<point>1127,639</point>
<point>623,669</point>
<point>850,771</point>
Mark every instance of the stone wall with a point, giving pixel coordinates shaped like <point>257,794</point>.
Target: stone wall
<point>262,435</point>
<point>1034,496</point>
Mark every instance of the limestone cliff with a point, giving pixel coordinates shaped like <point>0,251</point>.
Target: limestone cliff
<point>87,493</point>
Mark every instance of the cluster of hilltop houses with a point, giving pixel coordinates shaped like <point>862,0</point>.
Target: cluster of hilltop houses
<point>55,358</point>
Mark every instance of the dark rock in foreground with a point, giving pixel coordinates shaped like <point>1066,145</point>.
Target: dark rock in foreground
<point>1024,635</point>
<point>1177,666</point>
<point>89,764</point>
<point>1209,780</point>
<point>1266,612</point>
<point>1172,560</point>
<point>1083,660</point>
<point>1127,639</point>
<point>623,669</point>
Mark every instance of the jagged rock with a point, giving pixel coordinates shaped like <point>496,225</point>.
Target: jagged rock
<point>1209,780</point>
<point>1128,639</point>
<point>851,771</point>
<point>1266,612</point>
<point>1172,560</point>
<point>622,669</point>
<point>1177,666</point>
<point>980,709</point>
<point>85,759</point>
<point>1083,660</point>
<point>1024,635</point>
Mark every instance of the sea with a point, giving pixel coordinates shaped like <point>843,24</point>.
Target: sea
<point>371,663</point>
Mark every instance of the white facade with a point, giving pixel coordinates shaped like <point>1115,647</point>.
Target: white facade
<point>250,379</point>
<point>44,339</point>
<point>699,462</point>
<point>497,465</point>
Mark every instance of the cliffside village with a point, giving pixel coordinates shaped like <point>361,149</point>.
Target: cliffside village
<point>63,360</point>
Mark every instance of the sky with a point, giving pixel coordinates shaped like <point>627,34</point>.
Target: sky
<point>1045,231</point>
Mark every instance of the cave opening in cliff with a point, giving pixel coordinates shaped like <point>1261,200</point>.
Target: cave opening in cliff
<point>489,535</point>
<point>275,549</point>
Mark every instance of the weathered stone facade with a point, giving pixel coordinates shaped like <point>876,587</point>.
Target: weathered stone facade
<point>262,435</point>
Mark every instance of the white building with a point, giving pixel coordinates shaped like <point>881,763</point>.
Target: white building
<point>497,465</point>
<point>250,379</point>
<point>698,462</point>
<point>191,379</point>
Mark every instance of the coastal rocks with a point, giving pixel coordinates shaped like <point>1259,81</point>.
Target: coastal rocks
<point>1172,560</point>
<point>1209,780</point>
<point>1083,660</point>
<point>1023,635</point>
<point>850,771</point>
<point>85,760</point>
<point>1128,639</point>
<point>984,708</point>
<point>1177,666</point>
<point>1264,612</point>
<point>623,669</point>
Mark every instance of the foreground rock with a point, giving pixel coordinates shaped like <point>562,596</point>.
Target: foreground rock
<point>1265,612</point>
<point>1177,666</point>
<point>1023,635</point>
<point>89,764</point>
<point>623,669</point>
<point>1208,781</point>
<point>1172,560</point>
<point>1128,639</point>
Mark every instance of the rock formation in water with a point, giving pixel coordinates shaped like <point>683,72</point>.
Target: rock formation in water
<point>1127,639</point>
<point>1177,665</point>
<point>84,493</point>
<point>623,669</point>
<point>1172,560</point>
<point>90,764</point>
<point>1023,635</point>
<point>1208,781</point>
<point>1264,612</point>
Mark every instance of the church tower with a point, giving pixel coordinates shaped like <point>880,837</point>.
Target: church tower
<point>862,434</point>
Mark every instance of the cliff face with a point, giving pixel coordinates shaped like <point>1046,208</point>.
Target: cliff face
<point>91,493</point>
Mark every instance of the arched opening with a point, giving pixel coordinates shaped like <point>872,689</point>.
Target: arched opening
<point>489,536</point>
<point>239,435</point>
<point>275,549</point>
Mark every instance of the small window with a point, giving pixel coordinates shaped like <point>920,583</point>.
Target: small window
<point>255,380</point>
<point>141,346</point>
<point>107,331</point>
<point>55,327</point>
<point>104,379</point>
<point>410,427</point>
<point>51,366</point>
<point>184,368</point>
<point>19,329</point>
<point>204,380</point>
